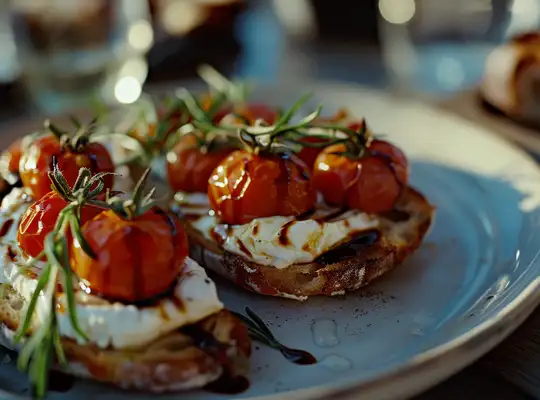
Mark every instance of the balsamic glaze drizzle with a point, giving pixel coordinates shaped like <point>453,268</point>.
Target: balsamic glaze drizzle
<point>350,249</point>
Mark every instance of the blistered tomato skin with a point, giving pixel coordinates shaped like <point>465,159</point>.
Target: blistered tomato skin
<point>136,260</point>
<point>371,184</point>
<point>309,154</point>
<point>13,156</point>
<point>39,220</point>
<point>246,186</point>
<point>37,161</point>
<point>188,168</point>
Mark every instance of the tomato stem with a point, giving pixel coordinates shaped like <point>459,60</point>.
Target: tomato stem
<point>137,204</point>
<point>77,142</point>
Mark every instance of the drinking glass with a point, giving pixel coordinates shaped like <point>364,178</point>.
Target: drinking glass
<point>436,47</point>
<point>72,53</point>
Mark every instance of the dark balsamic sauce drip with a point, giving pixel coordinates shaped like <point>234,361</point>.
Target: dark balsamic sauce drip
<point>243,248</point>
<point>11,254</point>
<point>296,356</point>
<point>304,174</point>
<point>205,341</point>
<point>284,233</point>
<point>4,229</point>
<point>217,237</point>
<point>306,215</point>
<point>396,215</point>
<point>255,229</point>
<point>228,384</point>
<point>60,382</point>
<point>332,215</point>
<point>351,248</point>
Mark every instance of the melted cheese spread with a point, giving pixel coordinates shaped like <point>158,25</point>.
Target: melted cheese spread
<point>277,241</point>
<point>105,323</point>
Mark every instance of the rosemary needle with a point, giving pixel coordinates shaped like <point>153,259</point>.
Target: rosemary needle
<point>44,345</point>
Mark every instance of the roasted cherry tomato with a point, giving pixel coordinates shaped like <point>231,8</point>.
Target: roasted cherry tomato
<point>136,259</point>
<point>37,161</point>
<point>245,186</point>
<point>309,154</point>
<point>40,219</point>
<point>12,156</point>
<point>372,183</point>
<point>188,168</point>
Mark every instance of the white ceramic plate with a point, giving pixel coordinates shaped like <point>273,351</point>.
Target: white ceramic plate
<point>472,282</point>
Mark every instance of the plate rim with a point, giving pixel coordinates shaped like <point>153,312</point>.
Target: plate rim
<point>381,386</point>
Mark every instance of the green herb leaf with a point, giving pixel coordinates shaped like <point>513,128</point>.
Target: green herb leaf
<point>260,323</point>
<point>285,118</point>
<point>59,350</point>
<point>61,253</point>
<point>192,106</point>
<point>75,121</point>
<point>27,320</point>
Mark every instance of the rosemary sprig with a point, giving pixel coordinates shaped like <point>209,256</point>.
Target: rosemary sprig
<point>273,138</point>
<point>208,136</point>
<point>77,141</point>
<point>137,204</point>
<point>260,332</point>
<point>235,92</point>
<point>44,344</point>
<point>283,136</point>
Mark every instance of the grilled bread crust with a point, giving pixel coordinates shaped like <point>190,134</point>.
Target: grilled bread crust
<point>347,268</point>
<point>172,363</point>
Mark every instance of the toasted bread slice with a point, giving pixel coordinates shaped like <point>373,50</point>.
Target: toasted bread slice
<point>174,362</point>
<point>346,268</point>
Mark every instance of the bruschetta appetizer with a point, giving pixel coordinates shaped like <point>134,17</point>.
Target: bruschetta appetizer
<point>280,227</point>
<point>102,287</point>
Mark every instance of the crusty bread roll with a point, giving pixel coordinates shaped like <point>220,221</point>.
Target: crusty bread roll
<point>347,268</point>
<point>511,80</point>
<point>172,363</point>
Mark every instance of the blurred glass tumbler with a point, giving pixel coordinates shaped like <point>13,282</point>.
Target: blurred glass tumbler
<point>74,52</point>
<point>440,46</point>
